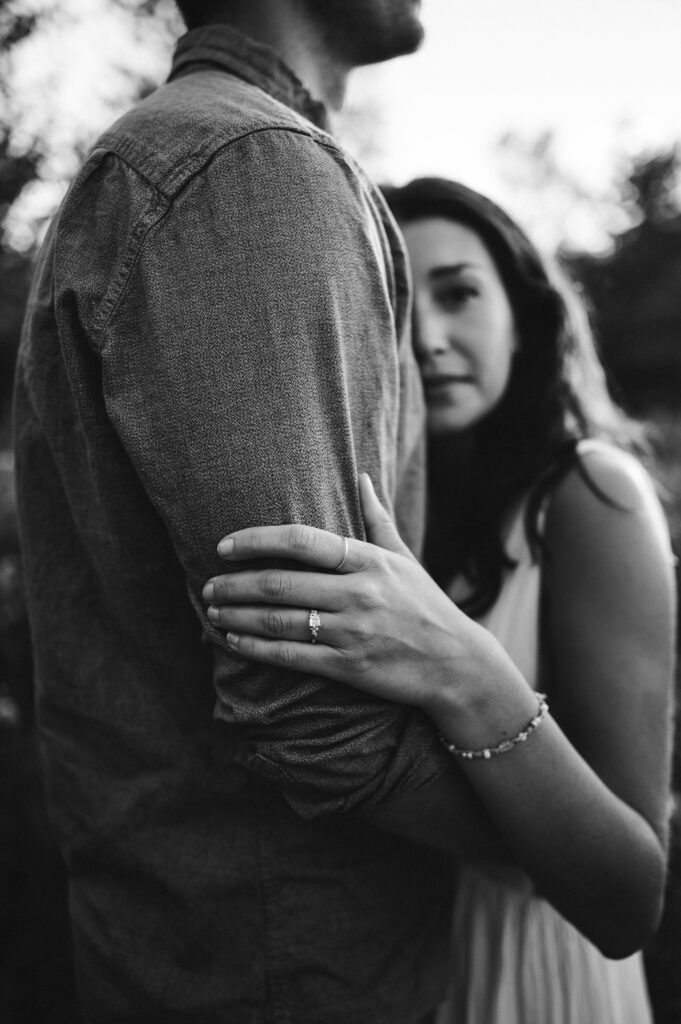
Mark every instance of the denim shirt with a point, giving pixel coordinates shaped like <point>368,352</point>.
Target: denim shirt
<point>217,336</point>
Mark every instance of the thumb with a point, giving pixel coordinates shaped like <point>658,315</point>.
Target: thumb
<point>380,528</point>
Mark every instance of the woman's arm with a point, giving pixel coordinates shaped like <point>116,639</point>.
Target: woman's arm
<point>609,637</point>
<point>582,810</point>
<point>583,803</point>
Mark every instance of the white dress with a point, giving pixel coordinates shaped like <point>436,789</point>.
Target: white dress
<point>515,960</point>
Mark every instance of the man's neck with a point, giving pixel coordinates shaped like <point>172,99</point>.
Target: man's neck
<point>299,41</point>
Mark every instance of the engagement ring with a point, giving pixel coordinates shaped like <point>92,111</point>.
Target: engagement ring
<point>314,624</point>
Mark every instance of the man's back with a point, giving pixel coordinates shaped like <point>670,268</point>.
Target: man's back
<point>211,342</point>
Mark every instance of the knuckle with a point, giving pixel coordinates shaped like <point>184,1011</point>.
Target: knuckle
<point>275,624</point>
<point>301,539</point>
<point>289,657</point>
<point>362,666</point>
<point>346,659</point>
<point>368,598</point>
<point>250,543</point>
<point>355,658</point>
<point>275,585</point>
<point>221,616</point>
<point>370,558</point>
<point>361,635</point>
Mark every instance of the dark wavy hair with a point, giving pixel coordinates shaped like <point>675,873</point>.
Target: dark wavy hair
<point>556,395</point>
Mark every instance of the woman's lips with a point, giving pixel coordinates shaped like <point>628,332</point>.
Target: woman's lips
<point>433,383</point>
<point>444,389</point>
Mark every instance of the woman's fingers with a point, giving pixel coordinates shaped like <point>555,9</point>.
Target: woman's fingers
<point>317,548</point>
<point>277,587</point>
<point>292,624</point>
<point>380,528</point>
<point>314,659</point>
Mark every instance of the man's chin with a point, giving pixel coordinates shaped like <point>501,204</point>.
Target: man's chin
<point>412,31</point>
<point>369,31</point>
<point>400,45</point>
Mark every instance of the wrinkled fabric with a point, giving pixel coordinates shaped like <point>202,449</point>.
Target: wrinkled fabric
<point>217,337</point>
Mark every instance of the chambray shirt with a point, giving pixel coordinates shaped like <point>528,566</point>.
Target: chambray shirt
<point>217,336</point>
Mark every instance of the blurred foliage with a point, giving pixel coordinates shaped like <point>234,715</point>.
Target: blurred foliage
<point>552,201</point>
<point>653,183</point>
<point>140,8</point>
<point>15,275</point>
<point>635,289</point>
<point>26,162</point>
<point>632,282</point>
<point>15,172</point>
<point>15,268</point>
<point>14,26</point>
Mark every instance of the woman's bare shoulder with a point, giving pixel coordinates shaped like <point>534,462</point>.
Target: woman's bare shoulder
<point>607,497</point>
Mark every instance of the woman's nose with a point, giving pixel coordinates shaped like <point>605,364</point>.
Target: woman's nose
<point>431,334</point>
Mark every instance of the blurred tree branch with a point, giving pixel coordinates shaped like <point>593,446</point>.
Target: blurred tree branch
<point>15,171</point>
<point>14,26</point>
<point>26,157</point>
<point>652,185</point>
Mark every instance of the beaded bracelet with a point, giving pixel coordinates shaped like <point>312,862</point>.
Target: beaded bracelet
<point>505,745</point>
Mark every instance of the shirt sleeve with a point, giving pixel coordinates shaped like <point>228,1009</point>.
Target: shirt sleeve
<point>250,368</point>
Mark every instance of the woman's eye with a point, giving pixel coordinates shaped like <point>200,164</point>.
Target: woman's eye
<point>456,296</point>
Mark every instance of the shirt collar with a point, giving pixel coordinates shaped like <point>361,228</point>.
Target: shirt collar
<point>227,48</point>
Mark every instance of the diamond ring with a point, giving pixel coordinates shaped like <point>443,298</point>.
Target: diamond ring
<point>314,624</point>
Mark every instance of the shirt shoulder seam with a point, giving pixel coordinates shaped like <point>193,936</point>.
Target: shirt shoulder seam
<point>128,149</point>
<point>161,203</point>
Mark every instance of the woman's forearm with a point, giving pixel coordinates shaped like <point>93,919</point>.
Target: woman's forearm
<point>446,815</point>
<point>598,861</point>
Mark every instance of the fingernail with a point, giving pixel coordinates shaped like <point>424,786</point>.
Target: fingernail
<point>213,614</point>
<point>208,592</point>
<point>225,547</point>
<point>233,640</point>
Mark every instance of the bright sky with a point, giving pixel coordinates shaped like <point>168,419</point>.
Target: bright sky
<point>602,75</point>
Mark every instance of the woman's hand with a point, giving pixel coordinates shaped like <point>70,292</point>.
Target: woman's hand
<point>384,625</point>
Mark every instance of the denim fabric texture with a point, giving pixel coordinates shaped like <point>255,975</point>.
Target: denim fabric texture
<point>218,336</point>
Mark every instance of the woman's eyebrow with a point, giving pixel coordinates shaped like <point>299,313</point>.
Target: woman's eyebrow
<point>448,269</point>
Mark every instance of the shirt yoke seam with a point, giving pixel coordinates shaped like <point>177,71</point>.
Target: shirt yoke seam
<point>140,159</point>
<point>161,203</point>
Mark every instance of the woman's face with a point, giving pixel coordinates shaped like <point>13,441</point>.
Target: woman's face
<point>465,332</point>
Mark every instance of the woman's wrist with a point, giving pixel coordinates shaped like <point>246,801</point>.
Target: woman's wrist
<point>482,699</point>
<point>504,745</point>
